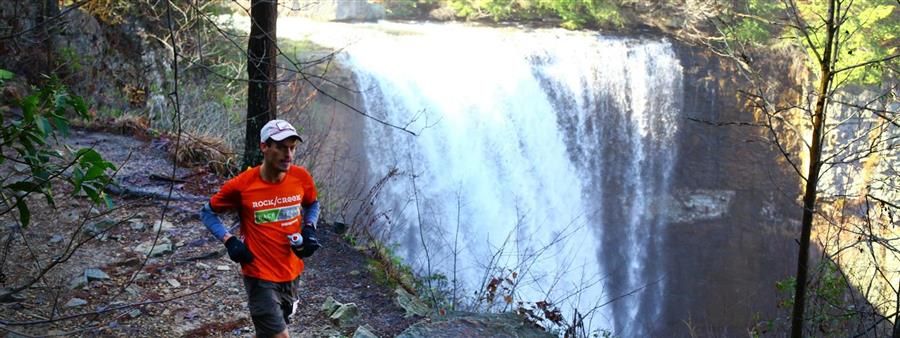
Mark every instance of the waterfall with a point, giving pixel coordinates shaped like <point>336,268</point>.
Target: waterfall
<point>543,152</point>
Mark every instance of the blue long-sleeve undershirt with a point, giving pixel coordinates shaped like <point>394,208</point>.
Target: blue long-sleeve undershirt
<point>212,222</point>
<point>311,213</point>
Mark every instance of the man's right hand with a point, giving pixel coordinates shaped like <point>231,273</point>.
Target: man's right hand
<point>237,251</point>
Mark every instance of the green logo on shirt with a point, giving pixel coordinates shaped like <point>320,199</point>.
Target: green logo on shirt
<point>276,215</point>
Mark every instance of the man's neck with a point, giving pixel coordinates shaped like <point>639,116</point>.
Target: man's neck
<point>270,175</point>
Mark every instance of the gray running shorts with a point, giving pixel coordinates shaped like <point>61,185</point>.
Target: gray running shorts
<point>271,304</point>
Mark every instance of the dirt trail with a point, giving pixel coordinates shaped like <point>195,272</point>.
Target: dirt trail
<point>190,260</point>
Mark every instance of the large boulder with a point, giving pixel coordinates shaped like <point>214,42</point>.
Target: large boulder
<point>412,304</point>
<point>95,274</point>
<point>345,315</point>
<point>365,331</point>
<point>330,305</point>
<point>340,314</point>
<point>163,247</point>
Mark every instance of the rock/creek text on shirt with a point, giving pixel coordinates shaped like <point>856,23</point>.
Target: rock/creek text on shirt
<point>276,201</point>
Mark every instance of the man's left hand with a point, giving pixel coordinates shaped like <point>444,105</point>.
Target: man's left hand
<point>310,241</point>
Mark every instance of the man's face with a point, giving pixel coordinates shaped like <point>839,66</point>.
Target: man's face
<point>279,154</point>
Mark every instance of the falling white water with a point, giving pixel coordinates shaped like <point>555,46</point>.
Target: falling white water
<point>540,151</point>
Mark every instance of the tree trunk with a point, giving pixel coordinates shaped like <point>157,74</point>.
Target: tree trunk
<point>896,332</point>
<point>262,93</point>
<point>49,12</point>
<point>812,176</point>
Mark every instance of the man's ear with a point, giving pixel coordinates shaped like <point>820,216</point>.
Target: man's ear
<point>263,146</point>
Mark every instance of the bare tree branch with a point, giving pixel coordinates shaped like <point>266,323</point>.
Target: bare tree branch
<point>868,63</point>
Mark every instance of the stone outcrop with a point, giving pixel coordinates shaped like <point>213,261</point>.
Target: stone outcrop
<point>114,65</point>
<point>686,206</point>
<point>163,247</point>
<point>475,325</point>
<point>345,315</point>
<point>330,305</point>
<point>364,331</point>
<point>340,314</point>
<point>410,303</point>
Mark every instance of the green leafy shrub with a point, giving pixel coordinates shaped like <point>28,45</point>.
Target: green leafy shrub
<point>869,33</point>
<point>409,8</point>
<point>25,141</point>
<point>575,14</point>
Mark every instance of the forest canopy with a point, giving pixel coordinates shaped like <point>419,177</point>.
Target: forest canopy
<point>871,30</point>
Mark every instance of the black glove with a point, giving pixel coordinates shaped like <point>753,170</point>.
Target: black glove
<point>310,242</point>
<point>237,251</point>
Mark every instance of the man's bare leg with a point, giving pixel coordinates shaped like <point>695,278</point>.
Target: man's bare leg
<point>282,334</point>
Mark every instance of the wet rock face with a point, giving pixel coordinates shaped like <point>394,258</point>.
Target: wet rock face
<point>730,232</point>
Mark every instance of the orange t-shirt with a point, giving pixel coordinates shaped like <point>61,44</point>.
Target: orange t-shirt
<point>269,212</point>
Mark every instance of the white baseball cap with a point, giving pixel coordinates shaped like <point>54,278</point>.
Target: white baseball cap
<point>277,130</point>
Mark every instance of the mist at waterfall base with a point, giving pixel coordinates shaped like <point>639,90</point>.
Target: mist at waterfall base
<point>542,152</point>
